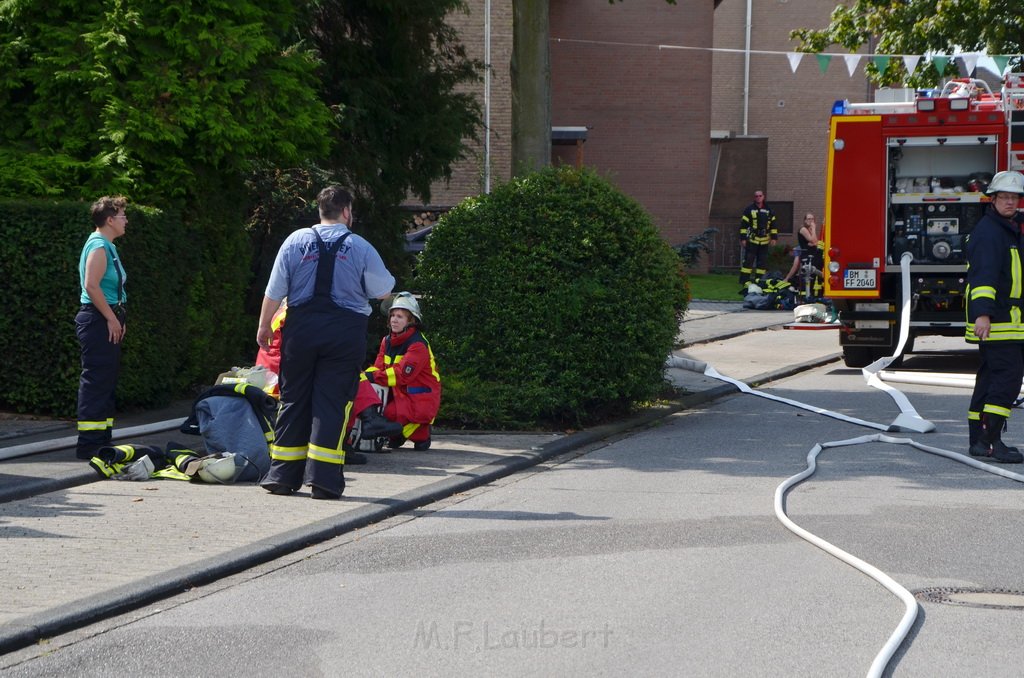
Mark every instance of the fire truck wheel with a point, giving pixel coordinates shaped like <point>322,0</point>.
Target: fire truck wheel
<point>862,356</point>
<point>858,356</point>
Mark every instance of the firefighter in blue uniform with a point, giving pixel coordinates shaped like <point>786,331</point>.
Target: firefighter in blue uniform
<point>758,232</point>
<point>328,275</point>
<point>994,323</point>
<point>100,324</point>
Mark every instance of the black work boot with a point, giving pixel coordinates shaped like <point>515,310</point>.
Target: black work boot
<point>991,445</point>
<point>974,429</point>
<point>318,492</point>
<point>376,426</point>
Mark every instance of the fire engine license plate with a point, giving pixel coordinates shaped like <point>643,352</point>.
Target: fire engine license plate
<point>857,279</point>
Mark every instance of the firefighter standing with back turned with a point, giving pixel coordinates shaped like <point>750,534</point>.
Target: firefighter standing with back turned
<point>328,275</point>
<point>994,286</point>
<point>758,232</point>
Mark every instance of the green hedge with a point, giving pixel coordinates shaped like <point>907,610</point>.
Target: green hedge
<point>184,319</point>
<point>553,300</point>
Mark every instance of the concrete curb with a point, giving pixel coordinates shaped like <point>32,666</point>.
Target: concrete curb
<point>33,628</point>
<point>35,486</point>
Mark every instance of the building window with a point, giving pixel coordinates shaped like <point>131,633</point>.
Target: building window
<point>783,211</point>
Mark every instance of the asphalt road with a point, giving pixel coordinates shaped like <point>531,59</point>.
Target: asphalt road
<point>654,553</point>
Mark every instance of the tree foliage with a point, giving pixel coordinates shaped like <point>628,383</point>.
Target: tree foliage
<point>391,74</point>
<point>211,108</point>
<point>919,27</point>
<point>150,98</point>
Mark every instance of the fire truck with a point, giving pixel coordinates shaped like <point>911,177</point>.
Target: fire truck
<point>905,186</point>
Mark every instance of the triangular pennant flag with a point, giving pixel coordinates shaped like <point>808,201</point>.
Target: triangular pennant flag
<point>910,63</point>
<point>1001,63</point>
<point>851,62</point>
<point>940,63</point>
<point>823,60</point>
<point>970,62</point>
<point>880,62</point>
<point>794,59</point>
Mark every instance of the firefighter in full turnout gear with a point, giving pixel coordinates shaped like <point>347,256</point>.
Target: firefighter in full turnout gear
<point>994,321</point>
<point>758,232</point>
<point>406,365</point>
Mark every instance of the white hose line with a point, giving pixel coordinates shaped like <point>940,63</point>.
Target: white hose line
<point>908,419</point>
<point>898,635</point>
<point>709,371</point>
<point>27,449</point>
<point>928,378</point>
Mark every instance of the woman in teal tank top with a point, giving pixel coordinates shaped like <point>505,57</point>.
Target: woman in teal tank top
<point>100,325</point>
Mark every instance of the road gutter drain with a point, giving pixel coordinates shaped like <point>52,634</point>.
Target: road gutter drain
<point>993,599</point>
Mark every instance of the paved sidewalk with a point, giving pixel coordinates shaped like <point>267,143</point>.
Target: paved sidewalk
<point>81,553</point>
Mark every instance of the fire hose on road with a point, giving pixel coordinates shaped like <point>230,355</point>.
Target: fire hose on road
<point>907,420</point>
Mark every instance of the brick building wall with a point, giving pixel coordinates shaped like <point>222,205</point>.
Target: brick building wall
<point>647,109</point>
<point>790,109</point>
<point>467,174</point>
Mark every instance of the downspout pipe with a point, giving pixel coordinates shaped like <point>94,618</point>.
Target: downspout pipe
<point>746,70</point>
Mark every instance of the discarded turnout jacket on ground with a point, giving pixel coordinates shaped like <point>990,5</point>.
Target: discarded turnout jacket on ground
<point>775,294</point>
<point>236,418</point>
<point>132,461</point>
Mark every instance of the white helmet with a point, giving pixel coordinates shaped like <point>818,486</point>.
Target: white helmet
<point>404,300</point>
<point>1006,182</point>
<point>219,469</point>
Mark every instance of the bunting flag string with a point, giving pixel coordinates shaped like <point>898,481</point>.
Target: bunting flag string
<point>994,63</point>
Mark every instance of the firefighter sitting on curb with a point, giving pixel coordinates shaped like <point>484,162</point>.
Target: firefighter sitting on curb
<point>994,318</point>
<point>406,366</point>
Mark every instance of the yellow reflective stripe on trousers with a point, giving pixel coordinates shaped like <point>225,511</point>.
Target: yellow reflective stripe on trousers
<point>326,454</point>
<point>995,409</point>
<point>93,426</point>
<point>409,429</point>
<point>279,453</point>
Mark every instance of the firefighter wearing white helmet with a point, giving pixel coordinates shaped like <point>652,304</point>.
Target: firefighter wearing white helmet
<point>994,317</point>
<point>407,301</point>
<point>405,364</point>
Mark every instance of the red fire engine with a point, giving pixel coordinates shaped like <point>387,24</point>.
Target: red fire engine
<point>908,175</point>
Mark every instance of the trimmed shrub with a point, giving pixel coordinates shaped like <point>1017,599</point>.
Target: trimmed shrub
<point>551,301</point>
